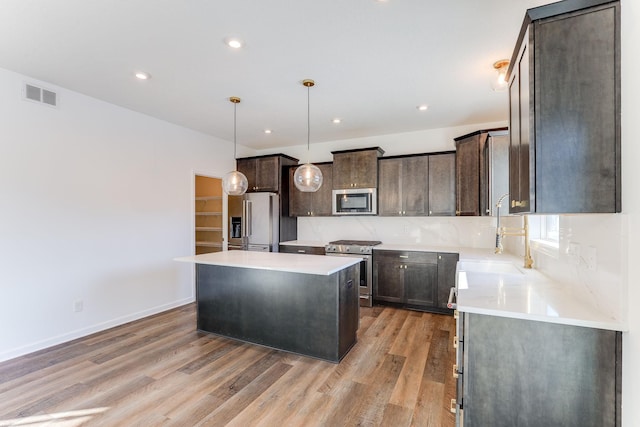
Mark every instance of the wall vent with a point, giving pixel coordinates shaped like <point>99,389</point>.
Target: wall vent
<point>38,94</point>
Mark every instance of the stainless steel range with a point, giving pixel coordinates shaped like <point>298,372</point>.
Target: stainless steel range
<point>361,249</point>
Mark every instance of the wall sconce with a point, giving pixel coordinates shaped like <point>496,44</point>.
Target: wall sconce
<point>500,83</point>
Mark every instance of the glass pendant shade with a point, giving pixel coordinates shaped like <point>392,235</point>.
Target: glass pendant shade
<point>308,178</point>
<point>235,183</point>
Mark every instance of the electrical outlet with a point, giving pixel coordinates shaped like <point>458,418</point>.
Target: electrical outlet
<point>78,305</point>
<point>589,256</point>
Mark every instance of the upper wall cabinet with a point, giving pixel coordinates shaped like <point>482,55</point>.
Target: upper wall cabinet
<point>482,176</point>
<point>564,110</point>
<point>264,173</point>
<point>312,204</point>
<point>356,168</point>
<point>418,185</point>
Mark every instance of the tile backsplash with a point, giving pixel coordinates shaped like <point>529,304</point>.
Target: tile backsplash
<point>473,232</point>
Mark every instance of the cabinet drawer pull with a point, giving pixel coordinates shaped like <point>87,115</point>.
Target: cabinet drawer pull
<point>404,256</point>
<point>301,251</point>
<point>455,371</point>
<point>453,408</point>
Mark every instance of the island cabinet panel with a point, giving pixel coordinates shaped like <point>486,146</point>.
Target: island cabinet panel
<point>312,315</point>
<point>527,373</point>
<point>564,92</point>
<point>442,184</point>
<point>312,203</point>
<point>356,168</point>
<point>412,278</point>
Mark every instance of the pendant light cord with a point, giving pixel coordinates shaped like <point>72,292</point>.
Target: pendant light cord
<point>235,106</point>
<point>308,124</point>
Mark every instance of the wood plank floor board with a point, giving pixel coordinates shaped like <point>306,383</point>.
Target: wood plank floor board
<point>160,371</point>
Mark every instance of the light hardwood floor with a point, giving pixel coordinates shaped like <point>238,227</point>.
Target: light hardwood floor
<point>161,371</point>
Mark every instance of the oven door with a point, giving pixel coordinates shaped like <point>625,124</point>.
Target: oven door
<point>366,270</point>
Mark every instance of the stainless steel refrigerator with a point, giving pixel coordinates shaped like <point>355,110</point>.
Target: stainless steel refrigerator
<point>253,222</point>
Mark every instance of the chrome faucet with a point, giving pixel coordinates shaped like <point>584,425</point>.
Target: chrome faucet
<point>505,231</point>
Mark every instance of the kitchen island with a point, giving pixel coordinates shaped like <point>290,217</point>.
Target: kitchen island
<point>304,304</point>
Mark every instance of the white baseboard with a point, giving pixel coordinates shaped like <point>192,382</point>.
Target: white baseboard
<point>79,333</point>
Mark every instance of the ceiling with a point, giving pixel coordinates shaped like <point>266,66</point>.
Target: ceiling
<point>373,61</point>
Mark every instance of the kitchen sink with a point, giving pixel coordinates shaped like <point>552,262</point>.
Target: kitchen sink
<point>493,267</point>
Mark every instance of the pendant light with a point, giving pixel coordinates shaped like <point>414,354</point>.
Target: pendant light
<point>235,183</point>
<point>500,83</point>
<point>308,177</point>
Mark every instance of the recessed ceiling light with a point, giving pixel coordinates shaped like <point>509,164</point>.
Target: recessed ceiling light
<point>267,131</point>
<point>336,120</point>
<point>142,75</point>
<point>234,43</point>
<point>422,107</point>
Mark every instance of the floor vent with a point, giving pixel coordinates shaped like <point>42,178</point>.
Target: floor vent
<point>38,94</point>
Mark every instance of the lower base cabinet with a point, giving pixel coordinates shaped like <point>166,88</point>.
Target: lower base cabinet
<point>417,280</point>
<point>525,373</point>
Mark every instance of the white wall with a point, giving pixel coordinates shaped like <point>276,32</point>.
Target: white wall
<point>95,201</point>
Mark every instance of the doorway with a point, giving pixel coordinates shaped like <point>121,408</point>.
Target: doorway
<point>208,211</point>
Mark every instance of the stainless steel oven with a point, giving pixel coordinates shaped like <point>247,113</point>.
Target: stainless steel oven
<point>360,249</point>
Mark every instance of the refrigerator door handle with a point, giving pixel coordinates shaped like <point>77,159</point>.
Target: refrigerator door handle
<point>243,221</point>
<point>248,219</point>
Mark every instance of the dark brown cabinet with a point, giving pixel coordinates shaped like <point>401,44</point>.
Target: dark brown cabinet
<point>308,250</point>
<point>515,372</point>
<point>356,168</point>
<point>414,279</point>
<point>442,184</point>
<point>403,186</point>
<point>262,173</point>
<point>312,204</point>
<point>481,171</point>
<point>417,185</point>
<point>564,110</point>
<point>446,277</point>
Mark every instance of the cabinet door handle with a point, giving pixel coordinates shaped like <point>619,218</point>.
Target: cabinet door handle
<point>455,341</point>
<point>455,371</point>
<point>453,408</point>
<point>399,212</point>
<point>404,256</point>
<point>430,212</point>
<point>457,213</point>
<point>455,314</point>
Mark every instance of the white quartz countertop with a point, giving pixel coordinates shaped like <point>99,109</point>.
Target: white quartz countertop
<point>292,263</point>
<point>499,286</point>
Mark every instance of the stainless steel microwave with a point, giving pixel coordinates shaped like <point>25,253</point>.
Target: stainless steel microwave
<point>355,201</point>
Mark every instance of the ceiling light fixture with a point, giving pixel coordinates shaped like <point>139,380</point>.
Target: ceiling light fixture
<point>235,183</point>
<point>234,43</point>
<point>500,82</point>
<point>336,121</point>
<point>142,75</point>
<point>267,131</point>
<point>308,177</point>
<point>423,107</point>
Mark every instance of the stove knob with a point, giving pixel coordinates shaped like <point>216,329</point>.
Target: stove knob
<point>363,249</point>
<point>347,249</point>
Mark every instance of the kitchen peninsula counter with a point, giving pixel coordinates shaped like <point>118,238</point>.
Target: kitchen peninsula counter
<point>304,304</point>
